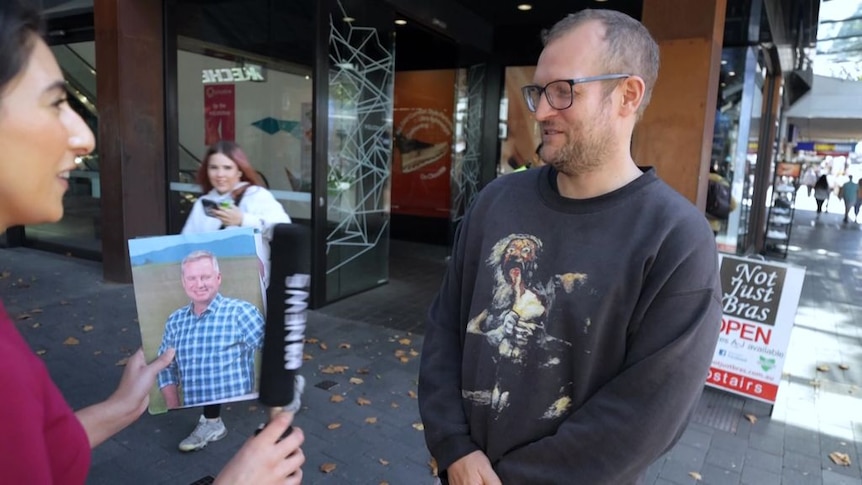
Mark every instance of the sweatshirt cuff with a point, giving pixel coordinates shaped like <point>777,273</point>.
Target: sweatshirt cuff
<point>249,220</point>
<point>452,449</point>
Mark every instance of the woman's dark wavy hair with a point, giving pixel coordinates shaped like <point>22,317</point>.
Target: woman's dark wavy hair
<point>20,25</point>
<point>235,153</point>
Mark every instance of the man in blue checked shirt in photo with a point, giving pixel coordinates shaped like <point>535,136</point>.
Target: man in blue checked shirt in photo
<point>215,338</point>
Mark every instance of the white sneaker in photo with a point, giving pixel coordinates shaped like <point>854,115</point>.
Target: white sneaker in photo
<point>298,389</point>
<point>207,430</point>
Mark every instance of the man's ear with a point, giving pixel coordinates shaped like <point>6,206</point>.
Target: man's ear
<point>632,88</point>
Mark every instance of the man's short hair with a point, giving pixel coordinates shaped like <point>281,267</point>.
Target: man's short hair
<point>630,47</point>
<point>198,255</point>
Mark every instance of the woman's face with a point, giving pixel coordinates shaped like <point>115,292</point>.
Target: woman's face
<point>40,136</point>
<point>223,172</point>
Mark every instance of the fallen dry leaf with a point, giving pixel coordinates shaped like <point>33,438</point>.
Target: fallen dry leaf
<point>371,420</point>
<point>419,426</point>
<point>383,483</point>
<point>71,341</point>
<point>306,356</point>
<point>36,310</point>
<point>823,368</point>
<point>412,394</point>
<point>323,346</point>
<point>362,401</point>
<point>336,398</point>
<point>41,352</point>
<point>344,345</point>
<point>334,369</point>
<point>383,462</point>
<point>404,360</point>
<point>311,340</point>
<point>400,353</point>
<point>751,418</point>
<point>122,361</point>
<point>333,425</point>
<point>97,352</point>
<point>356,380</point>
<point>697,476</point>
<point>404,341</point>
<point>844,367</point>
<point>432,463</point>
<point>839,458</point>
<point>413,353</point>
<point>24,316</point>
<point>87,328</point>
<point>5,274</point>
<point>36,325</point>
<point>363,371</point>
<point>328,467</point>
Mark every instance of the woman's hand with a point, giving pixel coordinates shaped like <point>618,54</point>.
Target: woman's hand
<point>138,379</point>
<point>229,216</point>
<point>263,459</point>
<point>128,402</point>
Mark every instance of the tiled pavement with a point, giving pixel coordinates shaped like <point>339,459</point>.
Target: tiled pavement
<point>816,412</point>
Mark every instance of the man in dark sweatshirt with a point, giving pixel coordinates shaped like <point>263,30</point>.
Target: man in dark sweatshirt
<point>572,334</point>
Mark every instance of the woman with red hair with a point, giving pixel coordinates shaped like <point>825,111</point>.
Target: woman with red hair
<point>233,197</point>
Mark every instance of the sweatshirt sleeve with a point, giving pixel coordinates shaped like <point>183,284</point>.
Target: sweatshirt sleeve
<point>261,210</point>
<point>194,222</point>
<point>641,413</point>
<point>447,433</point>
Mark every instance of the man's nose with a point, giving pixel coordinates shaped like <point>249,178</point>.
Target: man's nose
<point>544,109</point>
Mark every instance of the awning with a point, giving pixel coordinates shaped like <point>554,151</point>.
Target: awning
<point>832,110</point>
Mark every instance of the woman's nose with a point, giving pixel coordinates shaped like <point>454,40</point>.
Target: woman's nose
<point>81,138</point>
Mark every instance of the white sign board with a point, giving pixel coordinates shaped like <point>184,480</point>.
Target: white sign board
<point>759,300</point>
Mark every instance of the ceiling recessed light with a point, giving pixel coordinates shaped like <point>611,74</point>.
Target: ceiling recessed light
<point>731,73</point>
<point>525,7</point>
<point>601,1</point>
<point>400,22</point>
<point>348,19</point>
<point>723,62</point>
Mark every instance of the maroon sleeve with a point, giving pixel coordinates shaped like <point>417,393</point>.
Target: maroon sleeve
<point>42,440</point>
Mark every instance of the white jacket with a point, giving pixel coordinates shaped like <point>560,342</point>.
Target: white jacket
<point>260,211</point>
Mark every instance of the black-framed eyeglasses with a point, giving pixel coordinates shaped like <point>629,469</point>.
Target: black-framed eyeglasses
<point>560,93</point>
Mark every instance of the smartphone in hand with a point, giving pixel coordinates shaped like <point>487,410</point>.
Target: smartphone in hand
<point>209,206</point>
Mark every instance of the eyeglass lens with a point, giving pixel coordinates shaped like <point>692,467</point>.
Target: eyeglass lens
<point>558,93</point>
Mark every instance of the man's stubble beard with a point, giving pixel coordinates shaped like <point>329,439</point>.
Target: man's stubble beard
<point>587,152</point>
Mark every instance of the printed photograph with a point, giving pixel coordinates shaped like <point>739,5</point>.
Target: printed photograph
<point>202,295</point>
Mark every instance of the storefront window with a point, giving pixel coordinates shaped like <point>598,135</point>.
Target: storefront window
<point>361,77</point>
<point>518,131</point>
<point>248,80</point>
<point>80,229</point>
<point>734,148</point>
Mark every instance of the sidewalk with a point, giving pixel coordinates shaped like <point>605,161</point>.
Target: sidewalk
<point>55,297</point>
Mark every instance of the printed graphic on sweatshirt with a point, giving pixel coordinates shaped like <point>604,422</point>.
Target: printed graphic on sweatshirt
<point>515,323</point>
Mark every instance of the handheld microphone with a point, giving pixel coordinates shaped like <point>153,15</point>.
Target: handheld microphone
<point>286,313</point>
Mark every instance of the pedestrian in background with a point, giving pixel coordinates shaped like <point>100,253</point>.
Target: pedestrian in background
<point>44,441</point>
<point>821,193</point>
<point>233,196</point>
<point>848,194</point>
